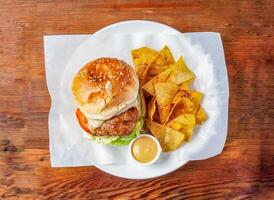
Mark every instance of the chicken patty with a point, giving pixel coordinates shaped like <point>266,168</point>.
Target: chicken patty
<point>120,125</point>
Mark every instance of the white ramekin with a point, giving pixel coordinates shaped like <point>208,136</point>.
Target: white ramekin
<point>157,155</point>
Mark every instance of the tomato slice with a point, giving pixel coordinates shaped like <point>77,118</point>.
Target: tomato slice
<point>82,121</point>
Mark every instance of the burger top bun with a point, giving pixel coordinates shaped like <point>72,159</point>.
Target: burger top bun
<point>105,87</point>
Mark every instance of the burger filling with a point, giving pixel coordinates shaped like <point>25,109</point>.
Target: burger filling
<point>119,130</point>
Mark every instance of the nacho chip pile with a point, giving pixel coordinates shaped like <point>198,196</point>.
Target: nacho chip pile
<point>173,109</point>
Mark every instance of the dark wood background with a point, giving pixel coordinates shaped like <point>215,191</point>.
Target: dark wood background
<point>245,169</point>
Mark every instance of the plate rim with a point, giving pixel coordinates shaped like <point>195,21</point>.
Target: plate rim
<point>106,28</point>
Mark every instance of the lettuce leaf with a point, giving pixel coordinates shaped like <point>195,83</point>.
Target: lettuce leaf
<point>126,140</point>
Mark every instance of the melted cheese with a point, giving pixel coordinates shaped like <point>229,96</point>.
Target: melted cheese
<point>95,123</point>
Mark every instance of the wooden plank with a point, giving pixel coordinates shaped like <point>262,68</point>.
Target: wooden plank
<point>244,170</point>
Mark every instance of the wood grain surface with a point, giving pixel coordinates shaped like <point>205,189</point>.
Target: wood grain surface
<point>245,169</point>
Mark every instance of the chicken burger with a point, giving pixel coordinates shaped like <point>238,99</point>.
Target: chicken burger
<point>110,107</point>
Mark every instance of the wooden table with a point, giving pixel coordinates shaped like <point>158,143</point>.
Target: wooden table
<point>244,170</point>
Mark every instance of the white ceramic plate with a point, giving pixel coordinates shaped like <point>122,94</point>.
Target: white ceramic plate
<point>134,171</point>
<point>192,151</point>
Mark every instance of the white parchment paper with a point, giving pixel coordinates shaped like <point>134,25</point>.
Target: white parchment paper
<point>65,55</point>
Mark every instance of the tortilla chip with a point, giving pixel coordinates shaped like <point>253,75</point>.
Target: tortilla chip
<point>169,138</point>
<point>156,116</point>
<point>173,109</point>
<point>180,73</point>
<point>176,73</point>
<point>186,85</point>
<point>160,78</point>
<point>182,64</point>
<point>184,106</point>
<point>185,102</point>
<point>166,53</point>
<point>165,92</point>
<point>142,59</point>
<point>173,139</point>
<point>159,65</point>
<point>157,130</point>
<point>201,115</point>
<point>143,103</point>
<point>175,102</point>
<point>196,97</point>
<point>151,108</point>
<point>179,95</point>
<point>186,122</point>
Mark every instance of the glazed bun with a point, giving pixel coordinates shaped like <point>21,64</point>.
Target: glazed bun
<point>105,87</point>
